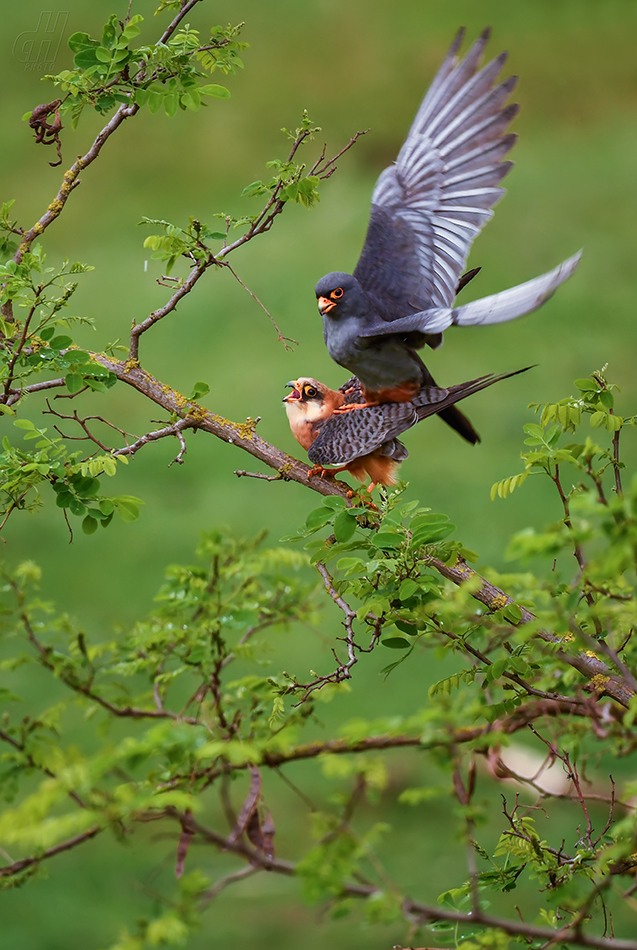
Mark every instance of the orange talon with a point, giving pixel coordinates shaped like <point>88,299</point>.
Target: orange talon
<point>355,405</point>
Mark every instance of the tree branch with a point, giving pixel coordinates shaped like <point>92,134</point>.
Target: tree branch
<point>24,863</point>
<point>598,674</point>
<point>241,434</point>
<point>410,908</point>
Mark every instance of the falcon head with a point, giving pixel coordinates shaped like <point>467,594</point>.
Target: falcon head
<point>307,406</point>
<point>310,401</point>
<point>340,295</point>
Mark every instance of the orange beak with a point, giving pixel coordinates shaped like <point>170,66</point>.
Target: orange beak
<point>325,305</point>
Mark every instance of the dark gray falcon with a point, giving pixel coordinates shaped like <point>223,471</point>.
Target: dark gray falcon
<point>426,210</point>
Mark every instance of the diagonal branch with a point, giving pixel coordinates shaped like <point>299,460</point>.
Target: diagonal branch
<point>241,434</point>
<point>244,436</point>
<point>598,673</point>
<point>70,178</point>
<point>24,863</point>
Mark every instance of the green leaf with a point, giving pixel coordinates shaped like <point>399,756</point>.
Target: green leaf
<point>199,389</point>
<point>344,526</point>
<point>89,525</point>
<point>127,507</point>
<point>76,507</point>
<point>74,382</point>
<point>407,589</point>
<point>60,342</point>
<point>78,41</point>
<point>512,613</point>
<point>396,643</point>
<point>212,89</point>
<point>318,517</point>
<point>334,501</point>
<point>405,627</point>
<point>428,534</point>
<point>85,485</point>
<point>86,58</point>
<point>384,539</point>
<point>155,100</point>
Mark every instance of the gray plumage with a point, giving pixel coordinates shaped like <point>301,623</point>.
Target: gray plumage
<point>427,209</point>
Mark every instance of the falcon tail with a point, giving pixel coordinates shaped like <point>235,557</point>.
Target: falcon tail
<point>424,408</point>
<point>516,301</point>
<point>498,308</point>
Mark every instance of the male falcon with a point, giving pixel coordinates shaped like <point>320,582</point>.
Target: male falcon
<point>427,209</point>
<point>365,442</point>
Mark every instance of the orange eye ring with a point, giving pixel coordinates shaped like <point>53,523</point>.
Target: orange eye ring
<point>337,294</point>
<point>310,392</point>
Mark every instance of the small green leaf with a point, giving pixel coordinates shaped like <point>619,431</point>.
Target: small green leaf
<point>74,382</point>
<point>396,643</point>
<point>212,89</point>
<point>78,41</point>
<point>199,389</point>
<point>587,385</point>
<point>334,501</point>
<point>344,526</point>
<point>89,525</point>
<point>60,342</point>
<point>512,613</point>
<point>318,517</point>
<point>407,588</point>
<point>384,539</point>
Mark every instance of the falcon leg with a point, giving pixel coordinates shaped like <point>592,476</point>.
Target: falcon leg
<point>325,472</point>
<point>356,405</point>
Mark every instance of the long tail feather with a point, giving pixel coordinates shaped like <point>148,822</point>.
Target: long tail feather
<point>516,301</point>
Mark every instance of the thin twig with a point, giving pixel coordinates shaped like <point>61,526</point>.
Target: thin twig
<point>24,863</point>
<point>285,340</point>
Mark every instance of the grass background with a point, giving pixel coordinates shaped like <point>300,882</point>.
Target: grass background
<point>354,64</point>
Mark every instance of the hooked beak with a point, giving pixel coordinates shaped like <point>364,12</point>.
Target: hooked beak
<point>325,305</point>
<point>295,395</point>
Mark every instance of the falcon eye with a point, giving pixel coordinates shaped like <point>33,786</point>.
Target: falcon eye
<point>310,392</point>
<point>336,294</point>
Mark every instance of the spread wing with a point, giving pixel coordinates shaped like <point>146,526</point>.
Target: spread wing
<point>429,206</point>
<point>497,308</point>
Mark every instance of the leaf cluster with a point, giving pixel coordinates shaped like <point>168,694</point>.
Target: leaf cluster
<point>109,72</point>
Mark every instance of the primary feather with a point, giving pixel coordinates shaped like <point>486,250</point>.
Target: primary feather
<point>427,209</point>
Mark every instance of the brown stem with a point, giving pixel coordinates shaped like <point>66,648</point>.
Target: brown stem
<point>24,863</point>
<point>158,315</point>
<point>598,674</point>
<point>242,435</point>
<point>571,933</point>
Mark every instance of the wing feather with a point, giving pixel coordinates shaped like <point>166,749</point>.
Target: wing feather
<point>497,308</point>
<point>428,207</point>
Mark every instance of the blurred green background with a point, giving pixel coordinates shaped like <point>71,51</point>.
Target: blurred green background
<point>353,65</point>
